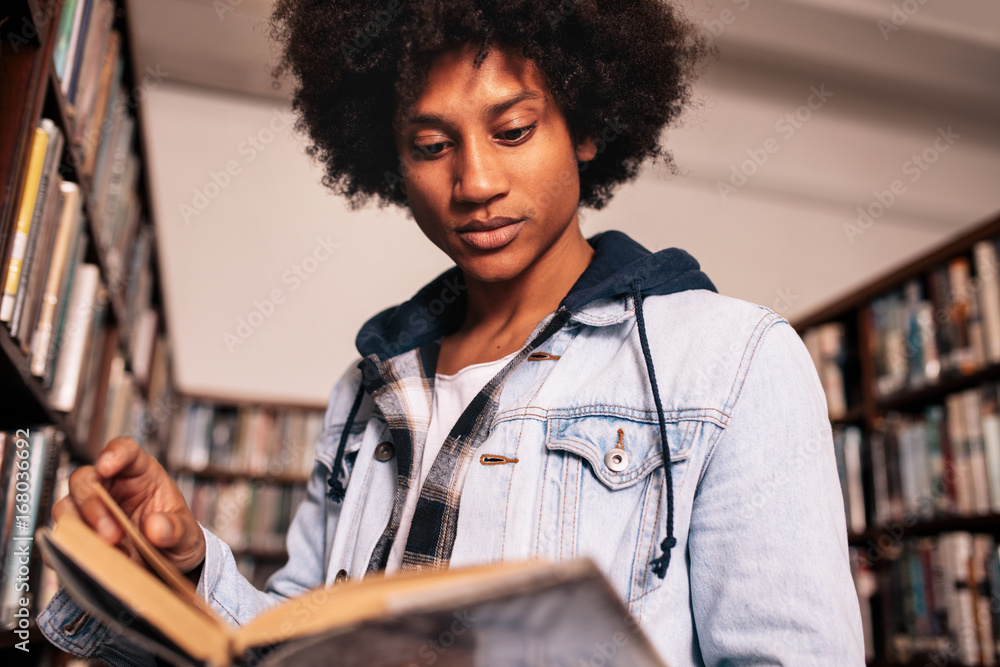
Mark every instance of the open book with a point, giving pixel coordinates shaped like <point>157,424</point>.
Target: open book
<point>523,614</point>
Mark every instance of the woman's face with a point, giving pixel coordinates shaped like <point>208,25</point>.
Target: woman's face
<point>490,170</point>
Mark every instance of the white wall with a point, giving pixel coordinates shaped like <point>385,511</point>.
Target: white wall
<point>778,240</point>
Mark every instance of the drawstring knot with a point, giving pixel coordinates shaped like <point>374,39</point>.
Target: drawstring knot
<point>336,492</point>
<point>661,563</point>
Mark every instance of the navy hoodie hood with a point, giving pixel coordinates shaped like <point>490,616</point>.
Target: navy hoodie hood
<point>620,268</point>
<point>618,264</point>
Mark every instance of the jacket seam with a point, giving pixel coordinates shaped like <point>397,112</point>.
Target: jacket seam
<point>715,440</point>
<point>225,609</point>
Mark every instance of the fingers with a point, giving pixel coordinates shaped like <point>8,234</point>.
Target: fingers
<point>64,506</point>
<point>89,507</point>
<point>180,539</point>
<point>121,456</point>
<point>164,530</point>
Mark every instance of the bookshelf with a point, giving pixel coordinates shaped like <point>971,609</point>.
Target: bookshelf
<point>84,352</point>
<point>910,364</point>
<point>243,467</point>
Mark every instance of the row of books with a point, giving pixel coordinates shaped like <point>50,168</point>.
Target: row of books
<point>115,402</point>
<point>249,515</point>
<point>945,325</point>
<point>943,462</point>
<point>939,600</point>
<point>34,468</point>
<point>827,346</point>
<point>88,60</point>
<point>245,439</point>
<point>49,292</point>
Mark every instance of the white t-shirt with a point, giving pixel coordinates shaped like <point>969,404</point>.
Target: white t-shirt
<point>452,395</point>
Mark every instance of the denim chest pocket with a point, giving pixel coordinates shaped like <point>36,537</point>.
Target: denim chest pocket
<point>603,489</point>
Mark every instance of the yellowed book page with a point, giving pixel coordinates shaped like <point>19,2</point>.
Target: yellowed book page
<point>202,635</point>
<point>168,573</point>
<point>348,604</point>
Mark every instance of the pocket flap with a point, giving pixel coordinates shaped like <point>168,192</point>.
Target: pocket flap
<point>593,436</point>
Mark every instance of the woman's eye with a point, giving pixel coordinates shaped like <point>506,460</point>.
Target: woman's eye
<point>516,134</point>
<point>430,150</point>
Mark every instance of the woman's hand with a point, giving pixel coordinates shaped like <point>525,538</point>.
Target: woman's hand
<point>146,493</point>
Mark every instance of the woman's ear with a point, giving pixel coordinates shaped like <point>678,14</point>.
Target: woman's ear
<point>587,150</point>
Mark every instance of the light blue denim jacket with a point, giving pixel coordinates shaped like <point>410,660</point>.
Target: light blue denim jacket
<point>760,573</point>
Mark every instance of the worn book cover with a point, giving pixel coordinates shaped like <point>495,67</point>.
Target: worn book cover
<point>527,613</point>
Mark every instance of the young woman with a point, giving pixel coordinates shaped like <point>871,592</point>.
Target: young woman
<point>550,395</point>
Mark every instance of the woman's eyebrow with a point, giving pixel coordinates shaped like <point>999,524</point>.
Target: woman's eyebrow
<point>498,108</point>
<point>490,111</point>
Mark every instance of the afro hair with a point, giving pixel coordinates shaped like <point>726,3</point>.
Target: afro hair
<point>620,71</point>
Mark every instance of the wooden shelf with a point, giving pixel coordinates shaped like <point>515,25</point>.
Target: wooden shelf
<point>25,401</point>
<point>30,69</point>
<point>959,244</point>
<point>904,528</point>
<point>853,416</point>
<point>918,398</point>
<point>237,475</point>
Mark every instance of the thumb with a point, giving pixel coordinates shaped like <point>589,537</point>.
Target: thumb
<point>163,530</point>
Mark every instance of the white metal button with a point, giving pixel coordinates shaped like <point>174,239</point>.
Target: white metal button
<point>616,459</point>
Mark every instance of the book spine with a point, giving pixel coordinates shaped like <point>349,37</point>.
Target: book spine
<point>73,80</point>
<point>991,441</point>
<point>27,309</point>
<point>987,271</point>
<point>90,134</point>
<point>69,69</point>
<point>60,49</point>
<point>40,444</point>
<point>960,452</point>
<point>959,307</point>
<point>69,227</point>
<point>22,226</point>
<point>977,456</point>
<point>47,183</point>
<point>77,329</point>
<point>76,259</point>
<point>94,50</point>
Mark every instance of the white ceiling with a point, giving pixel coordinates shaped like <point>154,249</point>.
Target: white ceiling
<point>948,51</point>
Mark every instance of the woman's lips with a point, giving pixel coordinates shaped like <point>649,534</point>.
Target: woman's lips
<point>491,239</point>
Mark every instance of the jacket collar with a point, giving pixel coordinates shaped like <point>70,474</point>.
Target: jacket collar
<point>598,298</point>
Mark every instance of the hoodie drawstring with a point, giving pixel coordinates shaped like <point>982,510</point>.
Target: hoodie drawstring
<point>660,564</point>
<point>336,492</point>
